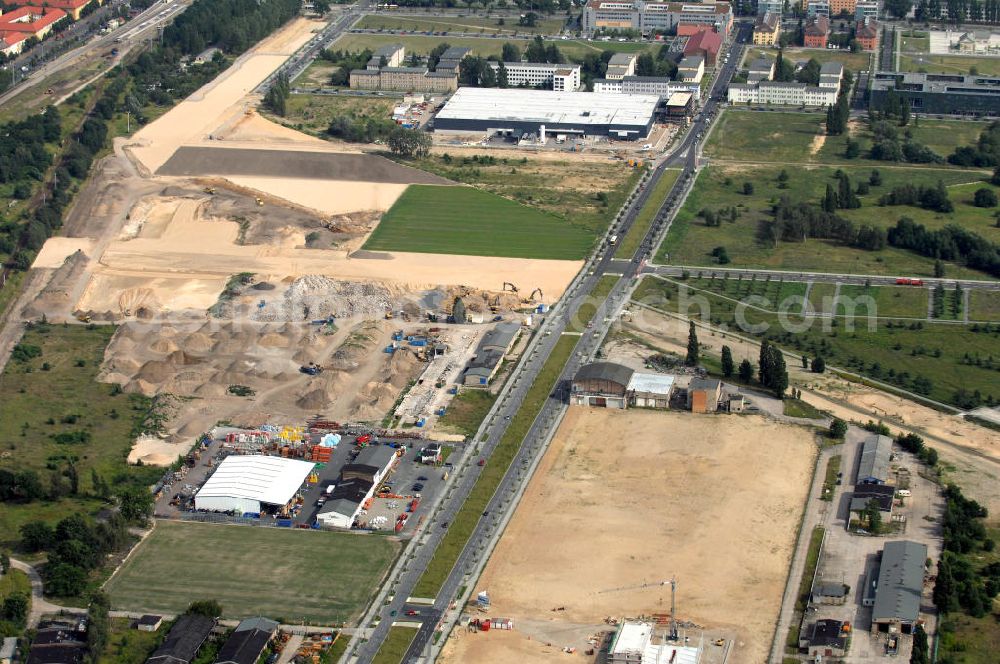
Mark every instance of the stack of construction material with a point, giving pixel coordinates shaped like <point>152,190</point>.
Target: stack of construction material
<point>321,454</point>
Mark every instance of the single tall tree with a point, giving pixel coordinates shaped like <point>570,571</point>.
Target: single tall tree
<point>727,362</point>
<point>746,371</point>
<point>692,349</point>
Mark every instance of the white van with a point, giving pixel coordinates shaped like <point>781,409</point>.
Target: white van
<point>904,493</point>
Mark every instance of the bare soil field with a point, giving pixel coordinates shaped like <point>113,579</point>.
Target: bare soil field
<point>220,102</point>
<point>623,499</point>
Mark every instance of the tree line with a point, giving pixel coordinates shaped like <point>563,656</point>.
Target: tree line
<point>951,243</point>
<point>979,11</point>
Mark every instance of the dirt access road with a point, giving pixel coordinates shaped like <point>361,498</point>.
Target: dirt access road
<point>623,499</point>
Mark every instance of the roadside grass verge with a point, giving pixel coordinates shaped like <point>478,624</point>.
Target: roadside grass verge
<point>830,478</point>
<point>466,220</point>
<point>629,244</point>
<point>799,408</point>
<point>466,411</point>
<point>394,647</point>
<point>461,528</point>
<point>586,311</point>
<point>812,559</point>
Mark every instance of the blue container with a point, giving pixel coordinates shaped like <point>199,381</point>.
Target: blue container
<point>251,515</point>
<point>284,523</point>
<point>421,422</point>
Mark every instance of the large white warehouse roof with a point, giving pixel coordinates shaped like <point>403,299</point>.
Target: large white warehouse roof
<point>549,107</point>
<point>264,479</point>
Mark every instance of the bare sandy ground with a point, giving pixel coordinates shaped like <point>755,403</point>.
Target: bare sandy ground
<point>57,249</point>
<point>331,197</point>
<point>629,498</point>
<point>220,102</point>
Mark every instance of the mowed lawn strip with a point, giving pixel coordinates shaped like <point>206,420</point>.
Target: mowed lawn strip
<point>465,220</point>
<point>628,245</point>
<point>395,645</point>
<point>465,521</point>
<point>984,305</point>
<point>903,301</point>
<point>297,575</point>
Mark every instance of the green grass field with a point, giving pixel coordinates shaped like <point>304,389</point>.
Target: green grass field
<point>466,411</point>
<point>934,351</point>
<point>799,137</point>
<point>465,220</point>
<point>852,61</point>
<point>423,45</point>
<point>949,64</point>
<point>690,241</point>
<point>57,393</point>
<point>585,313</point>
<point>465,521</point>
<point>317,75</point>
<point>395,645</point>
<point>890,301</point>
<point>571,189</point>
<point>914,42</point>
<point>628,245</point>
<point>319,577</point>
<point>485,25</point>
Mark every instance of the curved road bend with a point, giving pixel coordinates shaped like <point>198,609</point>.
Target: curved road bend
<point>683,156</point>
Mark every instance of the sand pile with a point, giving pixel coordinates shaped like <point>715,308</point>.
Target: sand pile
<point>55,296</point>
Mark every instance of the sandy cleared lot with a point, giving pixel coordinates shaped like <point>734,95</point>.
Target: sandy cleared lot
<point>56,250</point>
<point>330,197</point>
<point>218,103</point>
<point>627,498</point>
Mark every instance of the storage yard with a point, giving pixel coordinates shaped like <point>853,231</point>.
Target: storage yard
<point>323,475</point>
<point>691,487</point>
<point>318,577</point>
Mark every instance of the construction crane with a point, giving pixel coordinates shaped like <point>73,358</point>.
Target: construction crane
<point>509,286</point>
